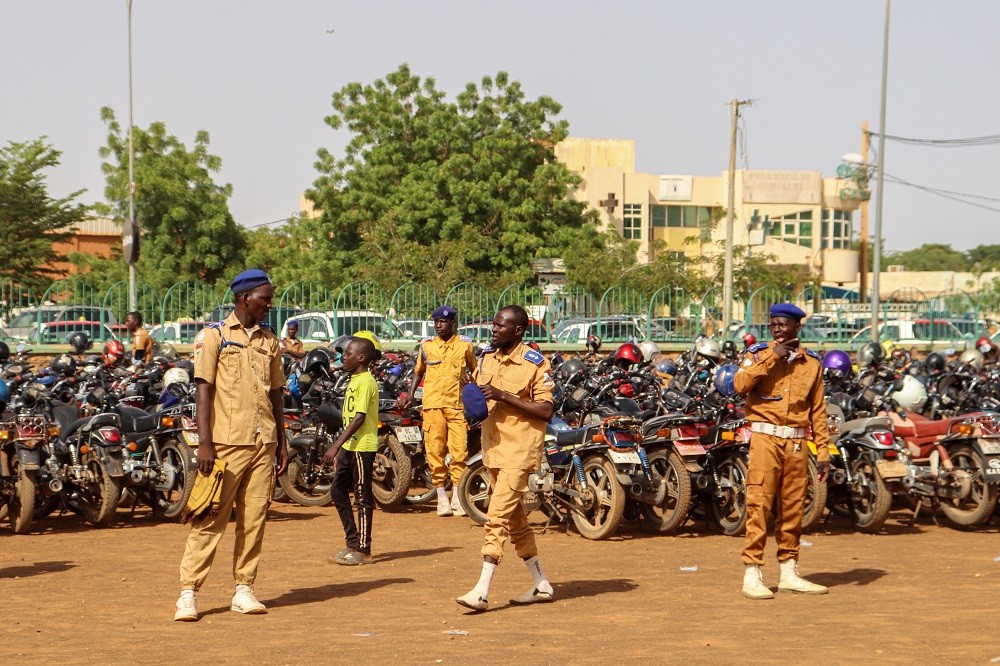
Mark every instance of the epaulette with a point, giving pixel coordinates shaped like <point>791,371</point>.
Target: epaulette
<point>489,349</point>
<point>427,339</point>
<point>216,325</point>
<point>266,326</point>
<point>533,357</point>
<point>753,349</point>
<point>465,338</point>
<point>814,355</point>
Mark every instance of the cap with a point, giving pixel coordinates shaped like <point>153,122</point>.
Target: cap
<point>249,279</point>
<point>444,312</point>
<point>292,322</point>
<point>368,335</point>
<point>787,310</point>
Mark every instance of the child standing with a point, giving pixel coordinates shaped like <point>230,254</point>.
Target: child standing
<point>353,454</point>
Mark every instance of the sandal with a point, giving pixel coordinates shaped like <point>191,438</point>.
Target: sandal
<point>352,558</point>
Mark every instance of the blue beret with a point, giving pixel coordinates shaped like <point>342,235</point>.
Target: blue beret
<point>444,312</point>
<point>292,322</point>
<point>787,310</point>
<point>474,403</point>
<point>249,279</point>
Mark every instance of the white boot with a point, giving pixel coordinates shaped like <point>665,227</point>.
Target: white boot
<point>753,584</point>
<point>444,506</point>
<point>792,582</point>
<point>456,505</point>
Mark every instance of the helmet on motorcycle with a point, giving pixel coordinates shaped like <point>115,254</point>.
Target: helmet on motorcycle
<point>176,376</point>
<point>749,340</point>
<point>626,390</point>
<point>93,359</point>
<point>708,348</point>
<point>627,355</point>
<point>570,368</point>
<point>533,345</point>
<point>724,380</point>
<point>166,350</point>
<point>340,344</point>
<point>114,351</point>
<point>871,354</point>
<point>972,358</point>
<point>4,352</point>
<point>64,364</point>
<point>900,358</point>
<point>837,363</point>
<point>318,362</point>
<point>79,341</point>
<point>729,349</point>
<point>650,350</point>
<point>666,367</point>
<point>986,346</point>
<point>888,346</point>
<point>934,362</point>
<point>912,396</point>
<point>593,343</point>
<point>4,395</point>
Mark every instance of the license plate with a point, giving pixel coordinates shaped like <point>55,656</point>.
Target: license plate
<point>990,448</point>
<point>191,437</point>
<point>690,449</point>
<point>891,469</point>
<point>624,457</point>
<point>409,434</point>
<point>992,468</point>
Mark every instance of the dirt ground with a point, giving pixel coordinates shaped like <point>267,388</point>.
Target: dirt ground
<point>73,594</point>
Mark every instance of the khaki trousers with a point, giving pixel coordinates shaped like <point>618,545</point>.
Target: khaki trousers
<point>777,469</point>
<point>445,431</point>
<point>248,485</point>
<point>506,519</point>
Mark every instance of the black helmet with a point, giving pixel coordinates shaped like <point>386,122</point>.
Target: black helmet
<point>64,364</point>
<point>4,352</point>
<point>79,341</point>
<point>340,344</point>
<point>934,362</point>
<point>871,354</point>
<point>570,368</point>
<point>318,362</point>
<point>593,343</point>
<point>729,349</point>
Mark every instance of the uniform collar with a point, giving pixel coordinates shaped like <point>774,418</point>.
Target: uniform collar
<point>232,322</point>
<point>442,341</point>
<point>516,354</point>
<point>800,353</point>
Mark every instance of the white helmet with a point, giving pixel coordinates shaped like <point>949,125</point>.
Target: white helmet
<point>176,376</point>
<point>650,350</point>
<point>708,348</point>
<point>912,396</point>
<point>973,358</point>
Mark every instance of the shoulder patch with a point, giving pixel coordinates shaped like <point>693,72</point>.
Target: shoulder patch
<point>533,357</point>
<point>753,349</point>
<point>266,326</point>
<point>427,339</point>
<point>816,356</point>
<point>465,338</point>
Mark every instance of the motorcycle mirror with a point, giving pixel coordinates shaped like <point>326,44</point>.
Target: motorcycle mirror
<point>20,347</point>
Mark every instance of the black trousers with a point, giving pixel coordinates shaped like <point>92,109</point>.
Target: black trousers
<point>354,475</point>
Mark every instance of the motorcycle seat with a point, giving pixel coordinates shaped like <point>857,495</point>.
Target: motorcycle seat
<point>137,420</point>
<point>861,426</point>
<point>66,417</point>
<point>570,437</point>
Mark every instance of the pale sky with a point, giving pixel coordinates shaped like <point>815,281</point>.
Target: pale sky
<point>258,76</point>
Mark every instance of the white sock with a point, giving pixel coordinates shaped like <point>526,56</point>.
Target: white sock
<point>187,593</point>
<point>243,588</point>
<point>485,578</point>
<point>442,494</point>
<point>535,569</point>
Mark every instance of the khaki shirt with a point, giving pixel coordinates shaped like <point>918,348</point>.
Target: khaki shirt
<point>142,341</point>
<point>442,364</point>
<point>785,393</point>
<point>287,344</point>
<point>511,438</point>
<point>242,377</point>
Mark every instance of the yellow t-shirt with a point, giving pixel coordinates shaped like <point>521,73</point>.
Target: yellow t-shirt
<point>362,396</point>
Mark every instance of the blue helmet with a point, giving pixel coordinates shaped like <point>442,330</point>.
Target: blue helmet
<point>724,379</point>
<point>667,367</point>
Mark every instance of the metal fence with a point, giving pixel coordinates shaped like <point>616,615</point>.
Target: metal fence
<point>568,315</point>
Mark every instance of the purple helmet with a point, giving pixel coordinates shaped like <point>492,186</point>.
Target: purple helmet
<point>837,363</point>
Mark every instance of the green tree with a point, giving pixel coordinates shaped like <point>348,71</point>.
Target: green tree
<point>931,257</point>
<point>445,191</point>
<point>187,229</point>
<point>984,258</point>
<point>31,220</point>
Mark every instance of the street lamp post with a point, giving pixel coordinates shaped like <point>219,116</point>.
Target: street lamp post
<point>877,259</point>
<point>132,230</point>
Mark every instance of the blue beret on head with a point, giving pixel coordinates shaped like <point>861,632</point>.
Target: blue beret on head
<point>248,279</point>
<point>444,312</point>
<point>787,310</point>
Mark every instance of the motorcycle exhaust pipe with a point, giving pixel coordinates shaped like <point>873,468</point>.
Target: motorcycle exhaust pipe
<point>838,476</point>
<point>56,485</point>
<point>701,482</point>
<point>135,476</point>
<point>636,489</point>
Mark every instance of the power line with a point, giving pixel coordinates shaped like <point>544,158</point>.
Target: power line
<point>985,140</point>
<point>947,194</point>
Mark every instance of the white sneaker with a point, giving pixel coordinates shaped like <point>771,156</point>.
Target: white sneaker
<point>471,599</point>
<point>444,507</point>
<point>245,602</point>
<point>532,596</point>
<point>186,609</point>
<point>753,584</point>
<point>791,581</point>
<point>456,506</point>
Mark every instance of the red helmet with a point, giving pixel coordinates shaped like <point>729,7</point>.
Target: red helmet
<point>985,345</point>
<point>626,390</point>
<point>114,351</point>
<point>628,354</point>
<point>749,339</point>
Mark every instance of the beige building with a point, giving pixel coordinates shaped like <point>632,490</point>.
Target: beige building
<point>797,216</point>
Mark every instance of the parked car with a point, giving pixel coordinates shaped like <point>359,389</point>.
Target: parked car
<point>576,331</point>
<point>807,332</point>
<point>416,328</point>
<point>276,317</point>
<point>913,331</point>
<point>177,331</point>
<point>57,332</point>
<point>23,321</point>
<point>330,325</point>
<point>482,331</point>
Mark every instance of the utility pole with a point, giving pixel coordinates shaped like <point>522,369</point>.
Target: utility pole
<point>133,230</point>
<point>877,259</point>
<point>863,254</point>
<point>727,287</point>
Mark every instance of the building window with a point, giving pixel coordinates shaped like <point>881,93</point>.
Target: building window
<point>838,229</point>
<point>676,217</point>
<point>658,216</point>
<point>794,228</point>
<point>632,221</point>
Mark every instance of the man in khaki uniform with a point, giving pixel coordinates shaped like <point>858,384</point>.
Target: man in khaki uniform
<point>237,370</point>
<point>142,344</point>
<point>783,384</point>
<point>517,383</point>
<point>441,363</point>
<point>290,344</point>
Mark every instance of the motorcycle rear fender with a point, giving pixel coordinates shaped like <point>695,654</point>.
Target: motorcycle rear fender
<point>302,442</point>
<point>475,460</point>
<point>29,458</point>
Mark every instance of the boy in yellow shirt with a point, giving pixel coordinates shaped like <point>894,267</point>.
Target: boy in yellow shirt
<point>353,453</point>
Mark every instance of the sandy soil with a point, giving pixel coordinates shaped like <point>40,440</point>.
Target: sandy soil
<point>74,594</point>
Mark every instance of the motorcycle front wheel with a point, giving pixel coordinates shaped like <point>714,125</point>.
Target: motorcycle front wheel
<point>977,506</point>
<point>729,502</point>
<point>170,501</point>
<point>598,515</point>
<point>671,514</point>
<point>300,488</point>
<point>392,473</point>
<point>872,498</point>
<point>21,507</point>
<point>815,498</point>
